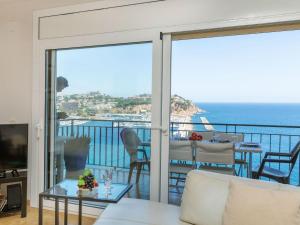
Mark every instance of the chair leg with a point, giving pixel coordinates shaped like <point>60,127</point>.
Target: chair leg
<point>177,180</point>
<point>255,175</point>
<point>139,169</point>
<point>132,165</point>
<point>237,173</point>
<point>285,181</point>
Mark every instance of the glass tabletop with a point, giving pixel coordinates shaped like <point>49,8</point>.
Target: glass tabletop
<point>69,189</point>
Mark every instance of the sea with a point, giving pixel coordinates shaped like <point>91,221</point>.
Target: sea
<point>279,132</point>
<point>251,113</point>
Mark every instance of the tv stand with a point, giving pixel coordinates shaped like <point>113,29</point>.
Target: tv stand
<point>15,173</point>
<point>23,179</point>
<point>2,174</point>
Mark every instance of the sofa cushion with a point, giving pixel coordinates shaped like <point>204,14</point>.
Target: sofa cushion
<point>250,205</point>
<point>204,199</point>
<point>205,195</point>
<point>136,211</point>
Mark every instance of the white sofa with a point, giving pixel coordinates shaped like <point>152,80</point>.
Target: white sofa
<point>197,191</point>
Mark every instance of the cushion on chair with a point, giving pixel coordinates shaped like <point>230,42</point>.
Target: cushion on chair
<point>252,205</point>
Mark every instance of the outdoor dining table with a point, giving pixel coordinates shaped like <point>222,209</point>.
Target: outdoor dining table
<point>244,148</point>
<point>239,147</point>
<point>249,148</point>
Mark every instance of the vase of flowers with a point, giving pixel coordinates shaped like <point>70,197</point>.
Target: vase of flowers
<point>195,137</point>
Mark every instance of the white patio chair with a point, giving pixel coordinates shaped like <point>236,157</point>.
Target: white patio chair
<point>230,137</point>
<point>235,138</point>
<point>181,160</point>
<point>216,157</point>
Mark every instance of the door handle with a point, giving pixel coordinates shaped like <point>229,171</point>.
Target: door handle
<point>163,130</point>
<point>38,129</point>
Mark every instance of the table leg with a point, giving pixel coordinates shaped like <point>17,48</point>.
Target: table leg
<point>24,198</point>
<point>56,211</point>
<point>66,211</point>
<point>40,210</point>
<point>250,165</point>
<point>80,212</point>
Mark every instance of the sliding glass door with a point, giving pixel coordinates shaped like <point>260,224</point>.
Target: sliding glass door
<point>229,91</point>
<point>99,113</point>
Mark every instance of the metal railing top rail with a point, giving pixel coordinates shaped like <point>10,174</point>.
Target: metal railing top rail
<point>101,120</point>
<point>188,123</point>
<point>236,124</point>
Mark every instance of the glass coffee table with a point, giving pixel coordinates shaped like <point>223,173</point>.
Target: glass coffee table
<point>68,190</point>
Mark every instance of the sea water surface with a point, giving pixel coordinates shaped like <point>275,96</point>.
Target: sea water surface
<point>252,113</point>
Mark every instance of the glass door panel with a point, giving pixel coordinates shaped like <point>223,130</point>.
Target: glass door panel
<point>98,114</point>
<point>227,90</point>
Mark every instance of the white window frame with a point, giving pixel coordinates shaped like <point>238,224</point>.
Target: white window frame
<point>39,98</point>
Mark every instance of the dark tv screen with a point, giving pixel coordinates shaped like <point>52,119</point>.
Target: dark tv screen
<point>13,146</point>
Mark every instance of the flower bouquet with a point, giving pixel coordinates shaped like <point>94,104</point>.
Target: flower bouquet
<point>195,137</point>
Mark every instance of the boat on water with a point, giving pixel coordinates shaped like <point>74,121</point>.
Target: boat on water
<point>127,120</point>
<point>75,122</point>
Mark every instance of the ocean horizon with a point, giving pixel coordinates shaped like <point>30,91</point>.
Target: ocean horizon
<point>252,113</point>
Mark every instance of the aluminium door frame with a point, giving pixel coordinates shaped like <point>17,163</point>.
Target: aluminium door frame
<point>38,118</point>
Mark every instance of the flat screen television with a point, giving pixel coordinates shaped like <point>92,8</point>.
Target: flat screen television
<point>13,146</point>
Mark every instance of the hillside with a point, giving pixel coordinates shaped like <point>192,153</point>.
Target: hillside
<point>183,107</point>
<point>96,103</point>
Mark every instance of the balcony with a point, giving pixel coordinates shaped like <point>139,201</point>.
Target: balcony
<point>107,150</point>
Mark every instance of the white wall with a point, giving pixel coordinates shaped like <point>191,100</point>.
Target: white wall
<point>16,57</point>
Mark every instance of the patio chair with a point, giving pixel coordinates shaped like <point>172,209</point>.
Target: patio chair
<point>215,157</point>
<point>282,158</point>
<point>75,155</point>
<point>229,137</point>
<point>181,160</point>
<point>235,138</point>
<point>132,144</point>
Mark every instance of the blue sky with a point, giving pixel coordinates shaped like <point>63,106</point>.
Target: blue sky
<point>245,68</point>
<point>123,70</point>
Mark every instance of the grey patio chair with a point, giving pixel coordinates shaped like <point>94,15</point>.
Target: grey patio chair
<point>132,144</point>
<point>229,137</point>
<point>235,138</point>
<point>181,160</point>
<point>216,157</point>
<point>282,158</point>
